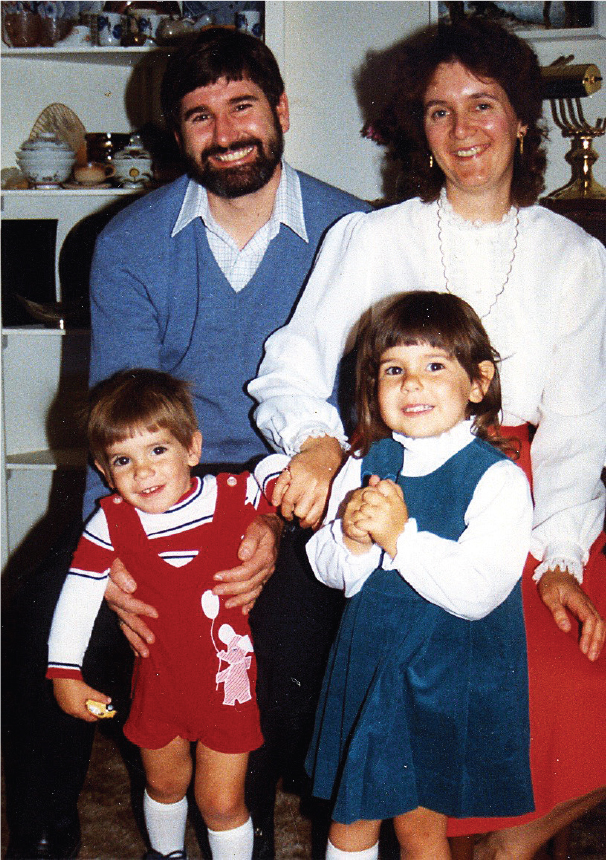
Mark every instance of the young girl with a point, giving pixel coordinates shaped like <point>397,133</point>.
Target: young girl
<point>172,532</point>
<point>424,710</point>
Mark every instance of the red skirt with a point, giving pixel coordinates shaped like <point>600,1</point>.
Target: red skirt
<point>566,693</point>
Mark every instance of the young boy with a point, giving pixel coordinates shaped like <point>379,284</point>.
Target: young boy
<point>173,532</point>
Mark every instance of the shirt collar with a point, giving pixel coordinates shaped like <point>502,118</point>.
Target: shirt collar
<point>433,451</point>
<point>288,205</point>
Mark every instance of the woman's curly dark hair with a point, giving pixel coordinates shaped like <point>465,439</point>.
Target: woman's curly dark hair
<point>488,51</point>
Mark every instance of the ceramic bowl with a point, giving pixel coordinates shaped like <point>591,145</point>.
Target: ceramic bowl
<point>45,141</point>
<point>47,171</point>
<point>133,171</point>
<point>45,160</point>
<point>133,164</point>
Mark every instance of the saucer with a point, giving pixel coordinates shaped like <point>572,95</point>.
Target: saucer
<point>80,186</point>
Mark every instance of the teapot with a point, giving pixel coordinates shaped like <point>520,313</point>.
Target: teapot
<point>173,28</point>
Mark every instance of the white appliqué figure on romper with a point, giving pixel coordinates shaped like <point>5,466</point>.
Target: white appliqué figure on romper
<point>235,678</point>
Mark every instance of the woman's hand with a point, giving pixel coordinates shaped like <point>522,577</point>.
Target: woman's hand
<point>72,694</point>
<point>561,592</point>
<point>257,552</point>
<point>302,490</point>
<point>129,610</point>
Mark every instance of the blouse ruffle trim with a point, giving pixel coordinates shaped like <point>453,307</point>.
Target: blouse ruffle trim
<point>454,219</point>
<point>573,567</point>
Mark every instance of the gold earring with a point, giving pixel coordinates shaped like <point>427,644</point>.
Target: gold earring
<point>431,161</point>
<point>521,143</point>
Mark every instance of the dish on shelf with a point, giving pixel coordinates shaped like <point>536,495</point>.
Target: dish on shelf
<point>56,314</point>
<point>80,186</point>
<point>62,121</point>
<point>46,159</point>
<point>12,179</point>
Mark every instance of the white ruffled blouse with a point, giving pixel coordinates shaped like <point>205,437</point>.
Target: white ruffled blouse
<point>547,324</point>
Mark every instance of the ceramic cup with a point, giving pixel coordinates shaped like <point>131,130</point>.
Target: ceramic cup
<point>93,173</point>
<point>80,37</point>
<point>53,30</point>
<point>148,23</point>
<point>102,146</point>
<point>20,27</point>
<point>110,27</point>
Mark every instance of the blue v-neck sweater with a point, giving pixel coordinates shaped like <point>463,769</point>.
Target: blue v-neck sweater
<point>163,302</point>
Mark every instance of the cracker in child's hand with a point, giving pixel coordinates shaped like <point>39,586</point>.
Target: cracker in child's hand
<point>104,712</point>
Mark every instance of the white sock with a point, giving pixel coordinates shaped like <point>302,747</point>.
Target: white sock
<point>334,853</point>
<point>235,844</point>
<point>165,823</point>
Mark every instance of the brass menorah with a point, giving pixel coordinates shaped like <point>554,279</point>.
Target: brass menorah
<point>564,84</point>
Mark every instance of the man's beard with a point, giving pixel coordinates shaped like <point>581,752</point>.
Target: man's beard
<point>230,182</point>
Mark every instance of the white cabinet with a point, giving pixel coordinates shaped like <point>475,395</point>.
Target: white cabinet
<point>45,370</point>
<point>44,384</point>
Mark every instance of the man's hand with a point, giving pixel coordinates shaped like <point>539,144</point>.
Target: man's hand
<point>118,594</point>
<point>561,592</point>
<point>72,694</point>
<point>257,552</point>
<point>302,490</point>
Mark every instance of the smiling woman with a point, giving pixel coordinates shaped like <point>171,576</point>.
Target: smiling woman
<point>472,131</point>
<point>463,114</point>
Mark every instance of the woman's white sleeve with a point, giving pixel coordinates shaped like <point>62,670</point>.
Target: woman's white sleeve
<point>297,375</point>
<point>471,576</point>
<point>568,450</point>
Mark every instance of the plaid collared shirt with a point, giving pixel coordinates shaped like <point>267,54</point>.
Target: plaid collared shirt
<point>238,265</point>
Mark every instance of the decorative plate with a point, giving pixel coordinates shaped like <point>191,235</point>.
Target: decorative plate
<point>61,120</point>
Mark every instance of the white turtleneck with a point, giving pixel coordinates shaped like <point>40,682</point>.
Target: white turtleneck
<point>469,577</point>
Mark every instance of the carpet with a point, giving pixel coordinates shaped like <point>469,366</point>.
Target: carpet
<point>110,832</point>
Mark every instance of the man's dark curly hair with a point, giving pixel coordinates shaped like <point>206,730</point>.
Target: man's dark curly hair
<point>488,51</point>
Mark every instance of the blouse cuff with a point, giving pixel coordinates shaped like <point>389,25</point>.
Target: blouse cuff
<point>315,432</point>
<point>564,557</point>
<point>360,567</point>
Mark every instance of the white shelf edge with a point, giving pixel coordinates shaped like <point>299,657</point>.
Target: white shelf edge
<point>82,53</point>
<point>78,192</point>
<point>46,460</point>
<point>46,331</point>
<point>8,51</point>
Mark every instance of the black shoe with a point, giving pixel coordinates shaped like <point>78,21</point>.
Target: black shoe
<point>51,845</point>
<point>152,854</point>
<point>263,843</point>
